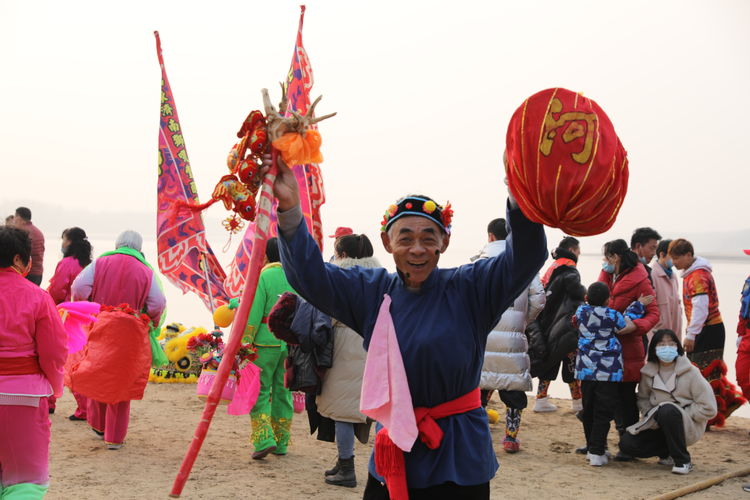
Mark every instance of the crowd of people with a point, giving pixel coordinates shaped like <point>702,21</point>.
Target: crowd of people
<point>621,344</point>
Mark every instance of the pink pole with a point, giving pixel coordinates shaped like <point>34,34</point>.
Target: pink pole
<point>262,223</point>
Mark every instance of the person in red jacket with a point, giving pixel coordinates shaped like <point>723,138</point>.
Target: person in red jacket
<point>742,366</point>
<point>628,281</point>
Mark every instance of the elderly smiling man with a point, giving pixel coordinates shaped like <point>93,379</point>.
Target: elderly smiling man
<point>441,319</point>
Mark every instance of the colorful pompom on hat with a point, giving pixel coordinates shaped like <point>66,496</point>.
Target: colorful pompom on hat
<point>566,167</point>
<point>422,206</point>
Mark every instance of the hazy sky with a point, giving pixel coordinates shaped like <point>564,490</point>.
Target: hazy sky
<point>423,91</point>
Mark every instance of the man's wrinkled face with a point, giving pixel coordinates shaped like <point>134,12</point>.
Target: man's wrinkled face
<point>416,244</point>
<point>647,250</point>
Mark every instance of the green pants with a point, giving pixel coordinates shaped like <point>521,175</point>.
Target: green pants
<point>271,417</point>
<point>23,491</point>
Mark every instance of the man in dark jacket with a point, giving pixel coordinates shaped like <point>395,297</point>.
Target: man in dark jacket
<point>552,337</point>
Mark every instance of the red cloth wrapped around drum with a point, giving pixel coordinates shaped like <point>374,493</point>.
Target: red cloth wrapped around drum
<point>114,364</point>
<point>566,166</point>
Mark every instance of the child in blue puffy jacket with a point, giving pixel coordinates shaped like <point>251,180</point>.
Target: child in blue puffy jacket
<point>599,363</point>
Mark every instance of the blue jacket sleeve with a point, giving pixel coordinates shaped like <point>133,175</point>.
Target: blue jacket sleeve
<point>496,282</point>
<point>349,295</point>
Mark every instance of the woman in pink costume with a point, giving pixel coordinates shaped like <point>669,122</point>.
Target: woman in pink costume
<point>119,277</point>
<point>76,251</point>
<point>32,355</point>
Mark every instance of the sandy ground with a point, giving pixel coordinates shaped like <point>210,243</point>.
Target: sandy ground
<point>163,423</point>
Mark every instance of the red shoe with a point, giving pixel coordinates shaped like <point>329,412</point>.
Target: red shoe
<point>511,445</point>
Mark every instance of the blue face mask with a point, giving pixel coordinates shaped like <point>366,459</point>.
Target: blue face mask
<point>666,353</point>
<point>669,263</point>
<point>608,268</point>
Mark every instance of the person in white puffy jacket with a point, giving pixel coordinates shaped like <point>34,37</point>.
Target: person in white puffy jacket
<point>506,362</point>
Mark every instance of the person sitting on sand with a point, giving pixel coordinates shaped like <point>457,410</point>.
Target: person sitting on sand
<point>676,403</point>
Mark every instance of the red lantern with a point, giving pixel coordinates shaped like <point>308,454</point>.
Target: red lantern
<point>566,166</point>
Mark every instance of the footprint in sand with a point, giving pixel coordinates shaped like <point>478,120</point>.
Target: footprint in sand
<point>560,447</point>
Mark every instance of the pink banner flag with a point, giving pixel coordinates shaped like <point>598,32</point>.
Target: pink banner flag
<point>185,257</point>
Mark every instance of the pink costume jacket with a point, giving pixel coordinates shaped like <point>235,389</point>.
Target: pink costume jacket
<point>120,279</point>
<point>30,326</point>
<point>668,299</point>
<point>65,272</point>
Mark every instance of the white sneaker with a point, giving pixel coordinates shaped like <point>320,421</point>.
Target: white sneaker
<point>113,446</point>
<point>682,469</point>
<point>597,460</point>
<point>577,405</point>
<point>542,405</point>
<point>666,461</point>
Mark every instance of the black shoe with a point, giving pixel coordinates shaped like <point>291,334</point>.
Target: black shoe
<point>582,450</point>
<point>623,457</point>
<point>74,418</point>
<point>51,411</point>
<point>98,433</point>
<point>345,476</point>
<point>333,471</point>
<point>261,454</point>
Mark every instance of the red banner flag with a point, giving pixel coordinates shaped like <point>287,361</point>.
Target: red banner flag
<point>298,83</point>
<point>185,257</point>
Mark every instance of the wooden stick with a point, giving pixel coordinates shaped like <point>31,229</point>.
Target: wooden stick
<point>262,224</point>
<point>702,485</point>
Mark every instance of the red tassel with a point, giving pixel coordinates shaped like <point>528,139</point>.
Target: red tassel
<point>389,463</point>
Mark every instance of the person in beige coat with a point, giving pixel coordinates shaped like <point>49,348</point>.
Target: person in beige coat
<point>667,288</point>
<point>342,383</point>
<point>676,403</point>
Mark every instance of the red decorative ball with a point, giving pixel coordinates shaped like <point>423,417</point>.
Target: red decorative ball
<point>566,167</point>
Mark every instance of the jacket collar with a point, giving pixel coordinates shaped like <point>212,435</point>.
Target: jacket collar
<point>682,364</point>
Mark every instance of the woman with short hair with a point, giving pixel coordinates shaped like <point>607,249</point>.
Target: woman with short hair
<point>32,355</point>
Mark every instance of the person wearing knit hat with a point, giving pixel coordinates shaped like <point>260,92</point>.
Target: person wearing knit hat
<point>425,329</point>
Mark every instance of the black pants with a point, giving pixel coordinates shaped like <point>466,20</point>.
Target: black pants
<point>568,369</point>
<point>667,440</point>
<point>515,400</point>
<point>446,491</point>
<point>599,406</point>
<point>626,413</point>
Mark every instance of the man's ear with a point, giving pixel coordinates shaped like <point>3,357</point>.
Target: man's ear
<point>446,242</point>
<point>386,241</point>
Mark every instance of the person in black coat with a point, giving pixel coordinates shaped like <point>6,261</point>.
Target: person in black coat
<point>552,337</point>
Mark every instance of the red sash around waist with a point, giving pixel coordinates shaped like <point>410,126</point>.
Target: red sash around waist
<point>27,365</point>
<point>389,459</point>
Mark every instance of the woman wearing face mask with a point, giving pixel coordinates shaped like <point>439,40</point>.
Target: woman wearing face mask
<point>76,251</point>
<point>628,281</point>
<point>676,402</point>
<point>666,285</point>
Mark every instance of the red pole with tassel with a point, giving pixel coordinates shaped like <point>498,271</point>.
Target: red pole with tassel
<point>262,224</point>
